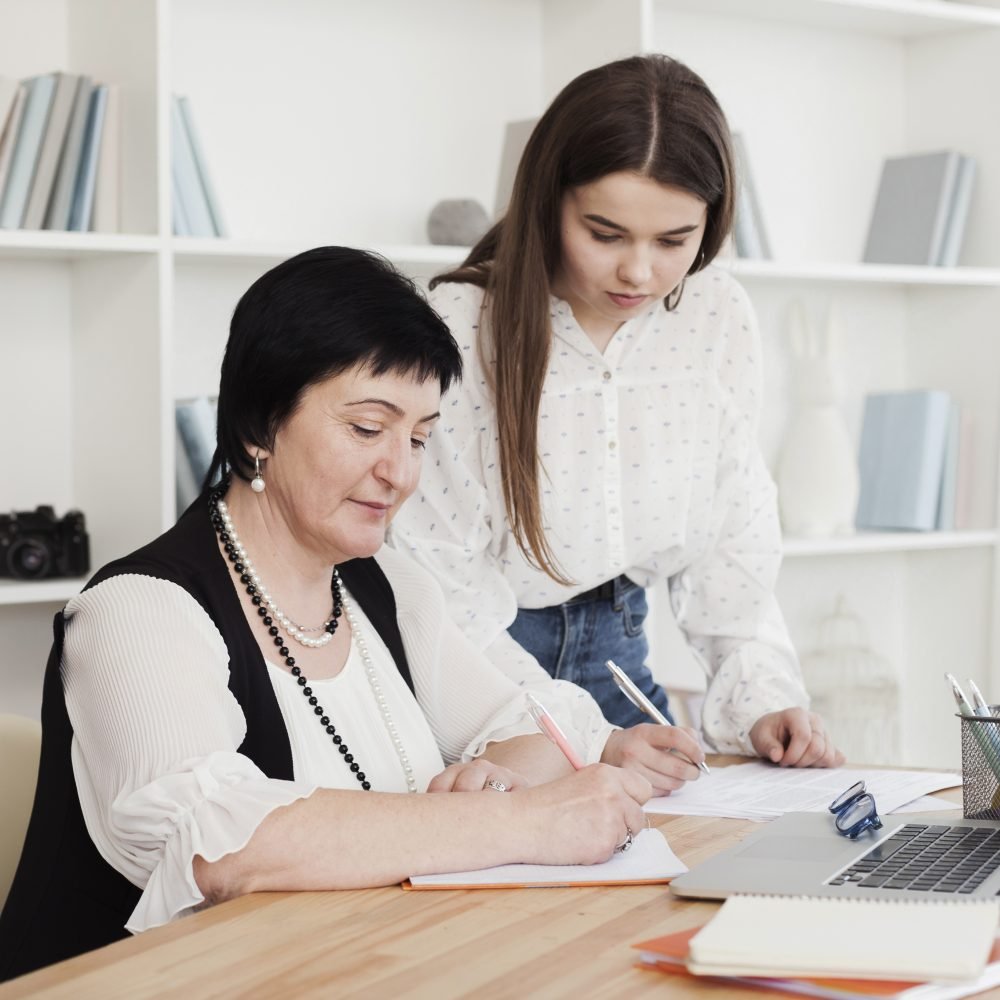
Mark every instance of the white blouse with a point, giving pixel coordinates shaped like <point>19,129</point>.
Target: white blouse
<point>156,729</point>
<point>651,469</point>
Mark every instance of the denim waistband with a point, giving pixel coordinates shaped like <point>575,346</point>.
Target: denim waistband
<point>602,592</point>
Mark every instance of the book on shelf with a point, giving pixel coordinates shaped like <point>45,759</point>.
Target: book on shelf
<point>27,144</point>
<point>10,123</point>
<point>106,211</point>
<point>904,441</point>
<point>82,204</point>
<point>920,210</point>
<point>50,148</point>
<point>195,419</point>
<point>57,215</point>
<point>204,175</point>
<point>193,212</point>
<point>515,138</point>
<point>669,953</point>
<point>749,234</point>
<point>948,495</point>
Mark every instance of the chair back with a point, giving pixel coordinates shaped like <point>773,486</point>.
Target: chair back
<point>20,746</point>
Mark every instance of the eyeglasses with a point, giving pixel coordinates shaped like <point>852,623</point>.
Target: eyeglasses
<point>855,811</point>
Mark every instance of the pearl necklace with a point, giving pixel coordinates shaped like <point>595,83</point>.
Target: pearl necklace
<point>243,568</point>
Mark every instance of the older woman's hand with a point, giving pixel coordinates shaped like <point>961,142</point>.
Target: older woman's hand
<point>475,776</point>
<point>646,749</point>
<point>582,818</point>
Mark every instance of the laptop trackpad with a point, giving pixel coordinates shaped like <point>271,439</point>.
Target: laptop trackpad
<point>794,849</point>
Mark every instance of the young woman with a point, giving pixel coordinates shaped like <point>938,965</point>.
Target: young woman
<point>604,436</point>
<point>248,702</point>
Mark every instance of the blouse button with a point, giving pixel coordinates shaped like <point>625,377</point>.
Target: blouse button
<point>606,376</point>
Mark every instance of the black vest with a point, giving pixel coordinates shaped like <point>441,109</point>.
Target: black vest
<point>65,898</point>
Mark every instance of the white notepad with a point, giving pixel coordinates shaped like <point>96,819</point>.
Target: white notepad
<point>846,938</point>
<point>649,859</point>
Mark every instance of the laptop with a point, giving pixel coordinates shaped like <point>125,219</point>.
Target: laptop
<point>802,854</point>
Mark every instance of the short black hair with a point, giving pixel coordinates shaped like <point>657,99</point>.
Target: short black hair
<point>315,315</point>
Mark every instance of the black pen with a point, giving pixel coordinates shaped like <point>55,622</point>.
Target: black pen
<point>642,703</point>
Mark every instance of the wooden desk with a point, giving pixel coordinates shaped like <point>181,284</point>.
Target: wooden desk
<point>377,943</point>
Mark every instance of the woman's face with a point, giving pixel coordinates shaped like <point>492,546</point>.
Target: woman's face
<point>347,458</point>
<point>627,241</point>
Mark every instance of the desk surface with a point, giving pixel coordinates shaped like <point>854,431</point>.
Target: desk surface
<point>388,943</point>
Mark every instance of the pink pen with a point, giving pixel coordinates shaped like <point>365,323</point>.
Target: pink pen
<point>550,727</point>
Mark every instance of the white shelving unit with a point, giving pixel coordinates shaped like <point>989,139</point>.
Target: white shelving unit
<point>326,121</point>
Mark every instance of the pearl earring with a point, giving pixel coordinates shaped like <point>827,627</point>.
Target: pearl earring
<point>257,483</point>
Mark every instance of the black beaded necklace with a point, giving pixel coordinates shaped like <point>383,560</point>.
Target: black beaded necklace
<point>338,609</point>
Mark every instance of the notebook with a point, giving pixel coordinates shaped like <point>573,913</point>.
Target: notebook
<point>648,860</point>
<point>878,939</point>
<point>669,953</point>
<point>913,856</point>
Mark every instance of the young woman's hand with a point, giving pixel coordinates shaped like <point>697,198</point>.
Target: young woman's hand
<point>646,748</point>
<point>794,737</point>
<point>579,819</point>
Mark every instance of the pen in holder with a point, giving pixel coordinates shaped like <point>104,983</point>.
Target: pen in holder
<point>981,765</point>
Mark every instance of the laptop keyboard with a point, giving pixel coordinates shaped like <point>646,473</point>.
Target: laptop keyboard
<point>955,859</point>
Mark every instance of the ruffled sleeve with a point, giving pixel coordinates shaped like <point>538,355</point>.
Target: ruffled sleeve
<point>156,731</point>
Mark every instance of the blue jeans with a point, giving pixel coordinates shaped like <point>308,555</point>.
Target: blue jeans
<point>572,641</point>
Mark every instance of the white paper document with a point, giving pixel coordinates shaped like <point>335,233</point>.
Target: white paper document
<point>761,791</point>
<point>649,859</point>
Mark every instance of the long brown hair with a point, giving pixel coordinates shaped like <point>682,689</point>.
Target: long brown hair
<point>650,115</point>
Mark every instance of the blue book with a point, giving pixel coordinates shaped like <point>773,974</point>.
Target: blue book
<point>184,171</point>
<point>26,149</point>
<point>208,189</point>
<point>903,442</point>
<point>196,425</point>
<point>86,176</point>
<point>958,212</point>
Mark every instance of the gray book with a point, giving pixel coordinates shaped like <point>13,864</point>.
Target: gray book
<point>515,138</point>
<point>86,176</point>
<point>910,217</point>
<point>197,152</point>
<point>56,128</point>
<point>26,148</point>
<point>749,233</point>
<point>958,213</point>
<point>184,171</point>
<point>8,136</point>
<point>57,216</point>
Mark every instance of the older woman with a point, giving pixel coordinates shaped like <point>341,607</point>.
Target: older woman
<point>248,702</point>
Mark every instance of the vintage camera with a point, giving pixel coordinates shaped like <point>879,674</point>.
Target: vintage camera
<point>35,545</point>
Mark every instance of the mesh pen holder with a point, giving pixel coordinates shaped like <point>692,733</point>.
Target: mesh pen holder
<point>981,766</point>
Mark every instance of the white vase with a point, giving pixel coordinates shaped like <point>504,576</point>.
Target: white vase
<point>817,472</point>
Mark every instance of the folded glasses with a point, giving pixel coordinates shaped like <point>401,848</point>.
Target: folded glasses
<point>854,811</point>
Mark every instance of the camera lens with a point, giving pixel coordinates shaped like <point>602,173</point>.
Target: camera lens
<point>29,559</point>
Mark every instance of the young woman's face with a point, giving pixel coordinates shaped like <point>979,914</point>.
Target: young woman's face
<point>627,241</point>
<point>347,458</point>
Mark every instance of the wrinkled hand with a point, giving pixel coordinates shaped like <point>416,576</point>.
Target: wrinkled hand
<point>472,777</point>
<point>646,748</point>
<point>582,818</point>
<point>794,737</point>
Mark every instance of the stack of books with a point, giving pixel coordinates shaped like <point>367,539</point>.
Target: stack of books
<point>840,949</point>
<point>196,210</point>
<point>59,153</point>
<point>915,462</point>
<point>921,209</point>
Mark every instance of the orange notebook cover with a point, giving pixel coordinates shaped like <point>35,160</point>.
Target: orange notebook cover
<point>669,954</point>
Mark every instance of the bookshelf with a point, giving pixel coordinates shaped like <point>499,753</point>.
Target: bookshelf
<point>345,136</point>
